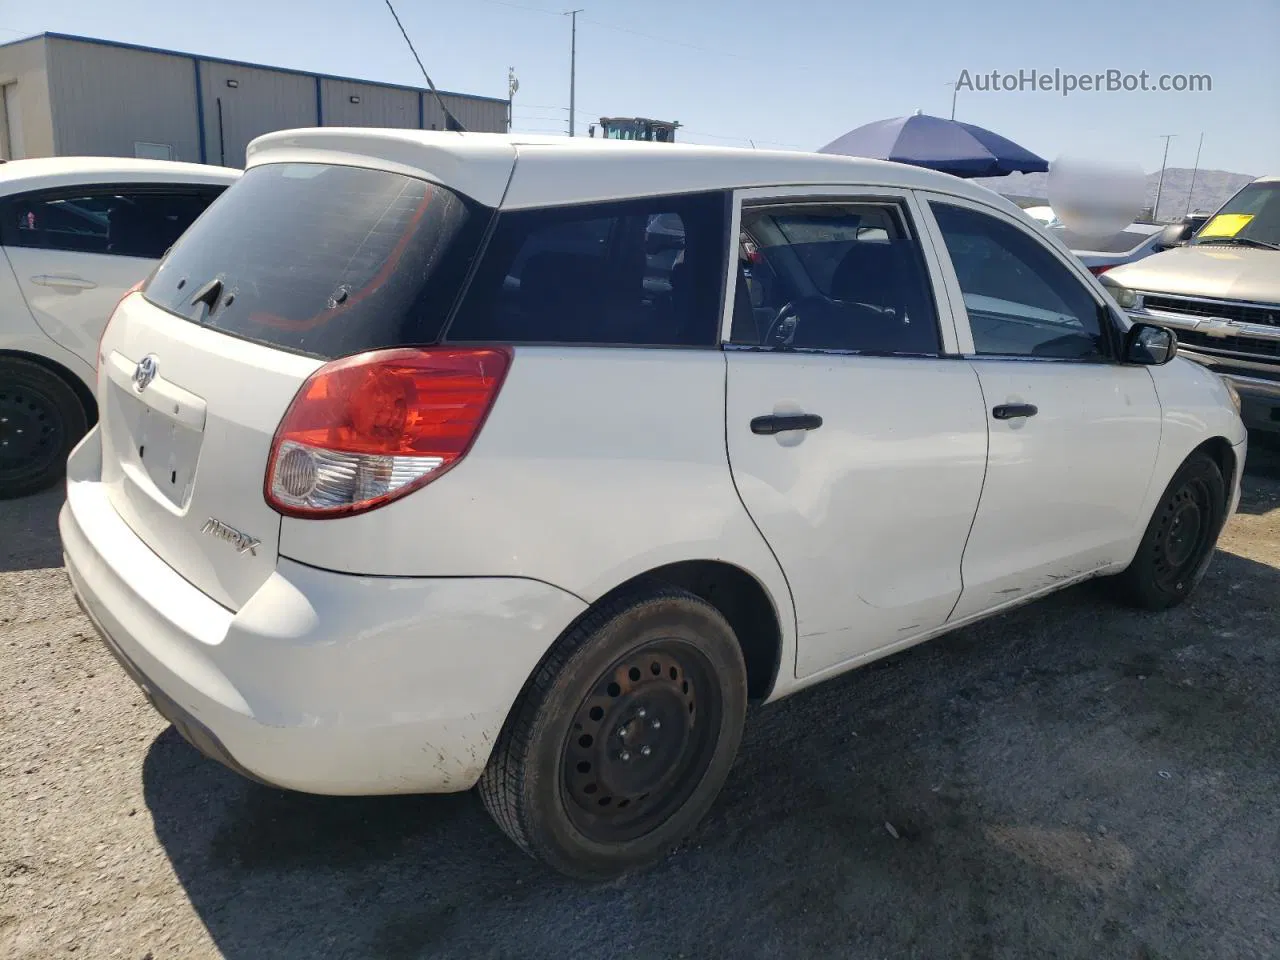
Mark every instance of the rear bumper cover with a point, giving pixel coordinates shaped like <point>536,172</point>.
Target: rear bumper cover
<point>323,682</point>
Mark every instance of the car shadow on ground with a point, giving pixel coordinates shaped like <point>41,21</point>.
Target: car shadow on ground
<point>1261,492</point>
<point>29,531</point>
<point>1070,779</point>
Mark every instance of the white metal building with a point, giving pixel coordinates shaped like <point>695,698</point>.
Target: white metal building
<point>66,96</point>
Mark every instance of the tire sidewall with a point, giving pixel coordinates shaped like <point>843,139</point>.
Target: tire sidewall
<point>1142,573</point>
<point>64,403</point>
<point>550,830</point>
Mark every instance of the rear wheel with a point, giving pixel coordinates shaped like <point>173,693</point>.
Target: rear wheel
<point>624,736</point>
<point>41,419</point>
<point>1180,539</point>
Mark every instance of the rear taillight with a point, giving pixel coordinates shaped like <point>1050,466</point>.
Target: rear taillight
<point>1100,270</point>
<point>102,336</point>
<point>367,429</point>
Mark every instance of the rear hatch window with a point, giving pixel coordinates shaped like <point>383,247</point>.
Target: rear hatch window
<point>324,260</point>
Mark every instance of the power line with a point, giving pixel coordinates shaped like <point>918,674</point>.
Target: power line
<point>667,40</point>
<point>451,121</point>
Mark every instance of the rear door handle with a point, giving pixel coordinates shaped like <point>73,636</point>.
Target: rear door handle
<point>74,283</point>
<point>1011,411</point>
<point>778,422</point>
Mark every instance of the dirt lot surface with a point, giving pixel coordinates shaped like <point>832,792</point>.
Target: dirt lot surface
<point>1069,780</point>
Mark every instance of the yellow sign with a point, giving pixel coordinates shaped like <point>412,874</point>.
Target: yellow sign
<point>1226,225</point>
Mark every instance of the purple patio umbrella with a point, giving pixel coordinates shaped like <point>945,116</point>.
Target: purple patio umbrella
<point>957,148</point>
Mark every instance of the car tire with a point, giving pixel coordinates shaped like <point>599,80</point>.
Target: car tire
<point>623,737</point>
<point>41,420</point>
<point>1180,539</point>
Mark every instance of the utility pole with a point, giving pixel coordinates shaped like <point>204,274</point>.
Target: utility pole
<point>1194,171</point>
<point>573,62</point>
<point>955,89</point>
<point>1155,210</point>
<point>512,86</point>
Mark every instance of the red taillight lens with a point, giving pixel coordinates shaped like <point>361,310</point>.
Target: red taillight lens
<point>367,429</point>
<point>127,294</point>
<point>1099,271</point>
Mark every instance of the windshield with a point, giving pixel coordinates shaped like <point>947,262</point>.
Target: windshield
<point>1251,217</point>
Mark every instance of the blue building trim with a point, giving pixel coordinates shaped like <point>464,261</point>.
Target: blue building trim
<point>238,63</point>
<point>204,155</point>
<point>319,104</point>
<point>422,116</point>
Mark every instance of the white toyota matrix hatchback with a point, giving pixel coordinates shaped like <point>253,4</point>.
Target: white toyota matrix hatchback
<point>435,460</point>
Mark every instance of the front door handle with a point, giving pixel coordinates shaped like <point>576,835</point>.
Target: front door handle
<point>73,283</point>
<point>1011,411</point>
<point>778,422</point>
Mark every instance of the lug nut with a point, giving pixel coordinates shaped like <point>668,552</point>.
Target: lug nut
<point>645,751</point>
<point>641,712</point>
<point>655,723</point>
<point>624,756</point>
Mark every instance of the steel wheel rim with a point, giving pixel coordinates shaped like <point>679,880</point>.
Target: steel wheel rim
<point>31,432</point>
<point>1186,527</point>
<point>641,741</point>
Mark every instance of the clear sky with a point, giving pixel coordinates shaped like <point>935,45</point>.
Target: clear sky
<point>794,73</point>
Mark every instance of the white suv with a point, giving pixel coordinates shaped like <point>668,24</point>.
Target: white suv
<point>429,460</point>
<point>77,232</point>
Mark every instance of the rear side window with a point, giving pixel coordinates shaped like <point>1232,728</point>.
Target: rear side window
<point>640,272</point>
<point>324,260</point>
<point>119,221</point>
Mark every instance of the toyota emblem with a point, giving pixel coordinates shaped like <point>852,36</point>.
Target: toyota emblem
<point>145,372</point>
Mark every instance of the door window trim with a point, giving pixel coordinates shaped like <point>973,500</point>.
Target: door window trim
<point>8,225</point>
<point>913,215</point>
<point>1113,336</point>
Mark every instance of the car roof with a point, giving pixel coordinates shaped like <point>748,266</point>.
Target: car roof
<point>51,172</point>
<point>553,170</point>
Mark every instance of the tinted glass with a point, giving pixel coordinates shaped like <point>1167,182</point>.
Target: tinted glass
<point>642,272</point>
<point>1021,300</point>
<point>1251,217</point>
<point>834,277</point>
<point>324,260</point>
<point>124,223</point>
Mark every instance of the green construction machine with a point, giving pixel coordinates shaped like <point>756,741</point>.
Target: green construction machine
<point>637,128</point>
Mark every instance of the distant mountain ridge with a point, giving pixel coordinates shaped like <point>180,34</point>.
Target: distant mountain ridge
<point>1212,188</point>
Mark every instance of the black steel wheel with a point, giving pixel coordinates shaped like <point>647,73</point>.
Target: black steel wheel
<point>1180,539</point>
<point>641,741</point>
<point>623,737</point>
<point>41,419</point>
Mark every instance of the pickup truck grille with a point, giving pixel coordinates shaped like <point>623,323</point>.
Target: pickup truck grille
<point>1245,313</point>
<point>1225,345</point>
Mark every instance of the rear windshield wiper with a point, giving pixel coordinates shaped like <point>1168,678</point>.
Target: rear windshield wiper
<point>1242,241</point>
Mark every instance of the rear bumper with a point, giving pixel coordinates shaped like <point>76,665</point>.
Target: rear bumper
<point>323,682</point>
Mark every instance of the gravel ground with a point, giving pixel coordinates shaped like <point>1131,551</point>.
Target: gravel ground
<point>1069,780</point>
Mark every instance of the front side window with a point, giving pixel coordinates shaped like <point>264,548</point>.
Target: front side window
<point>1021,300</point>
<point>644,272</point>
<point>833,276</point>
<point>142,222</point>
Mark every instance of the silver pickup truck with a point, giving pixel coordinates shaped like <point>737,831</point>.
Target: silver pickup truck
<point>1220,291</point>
